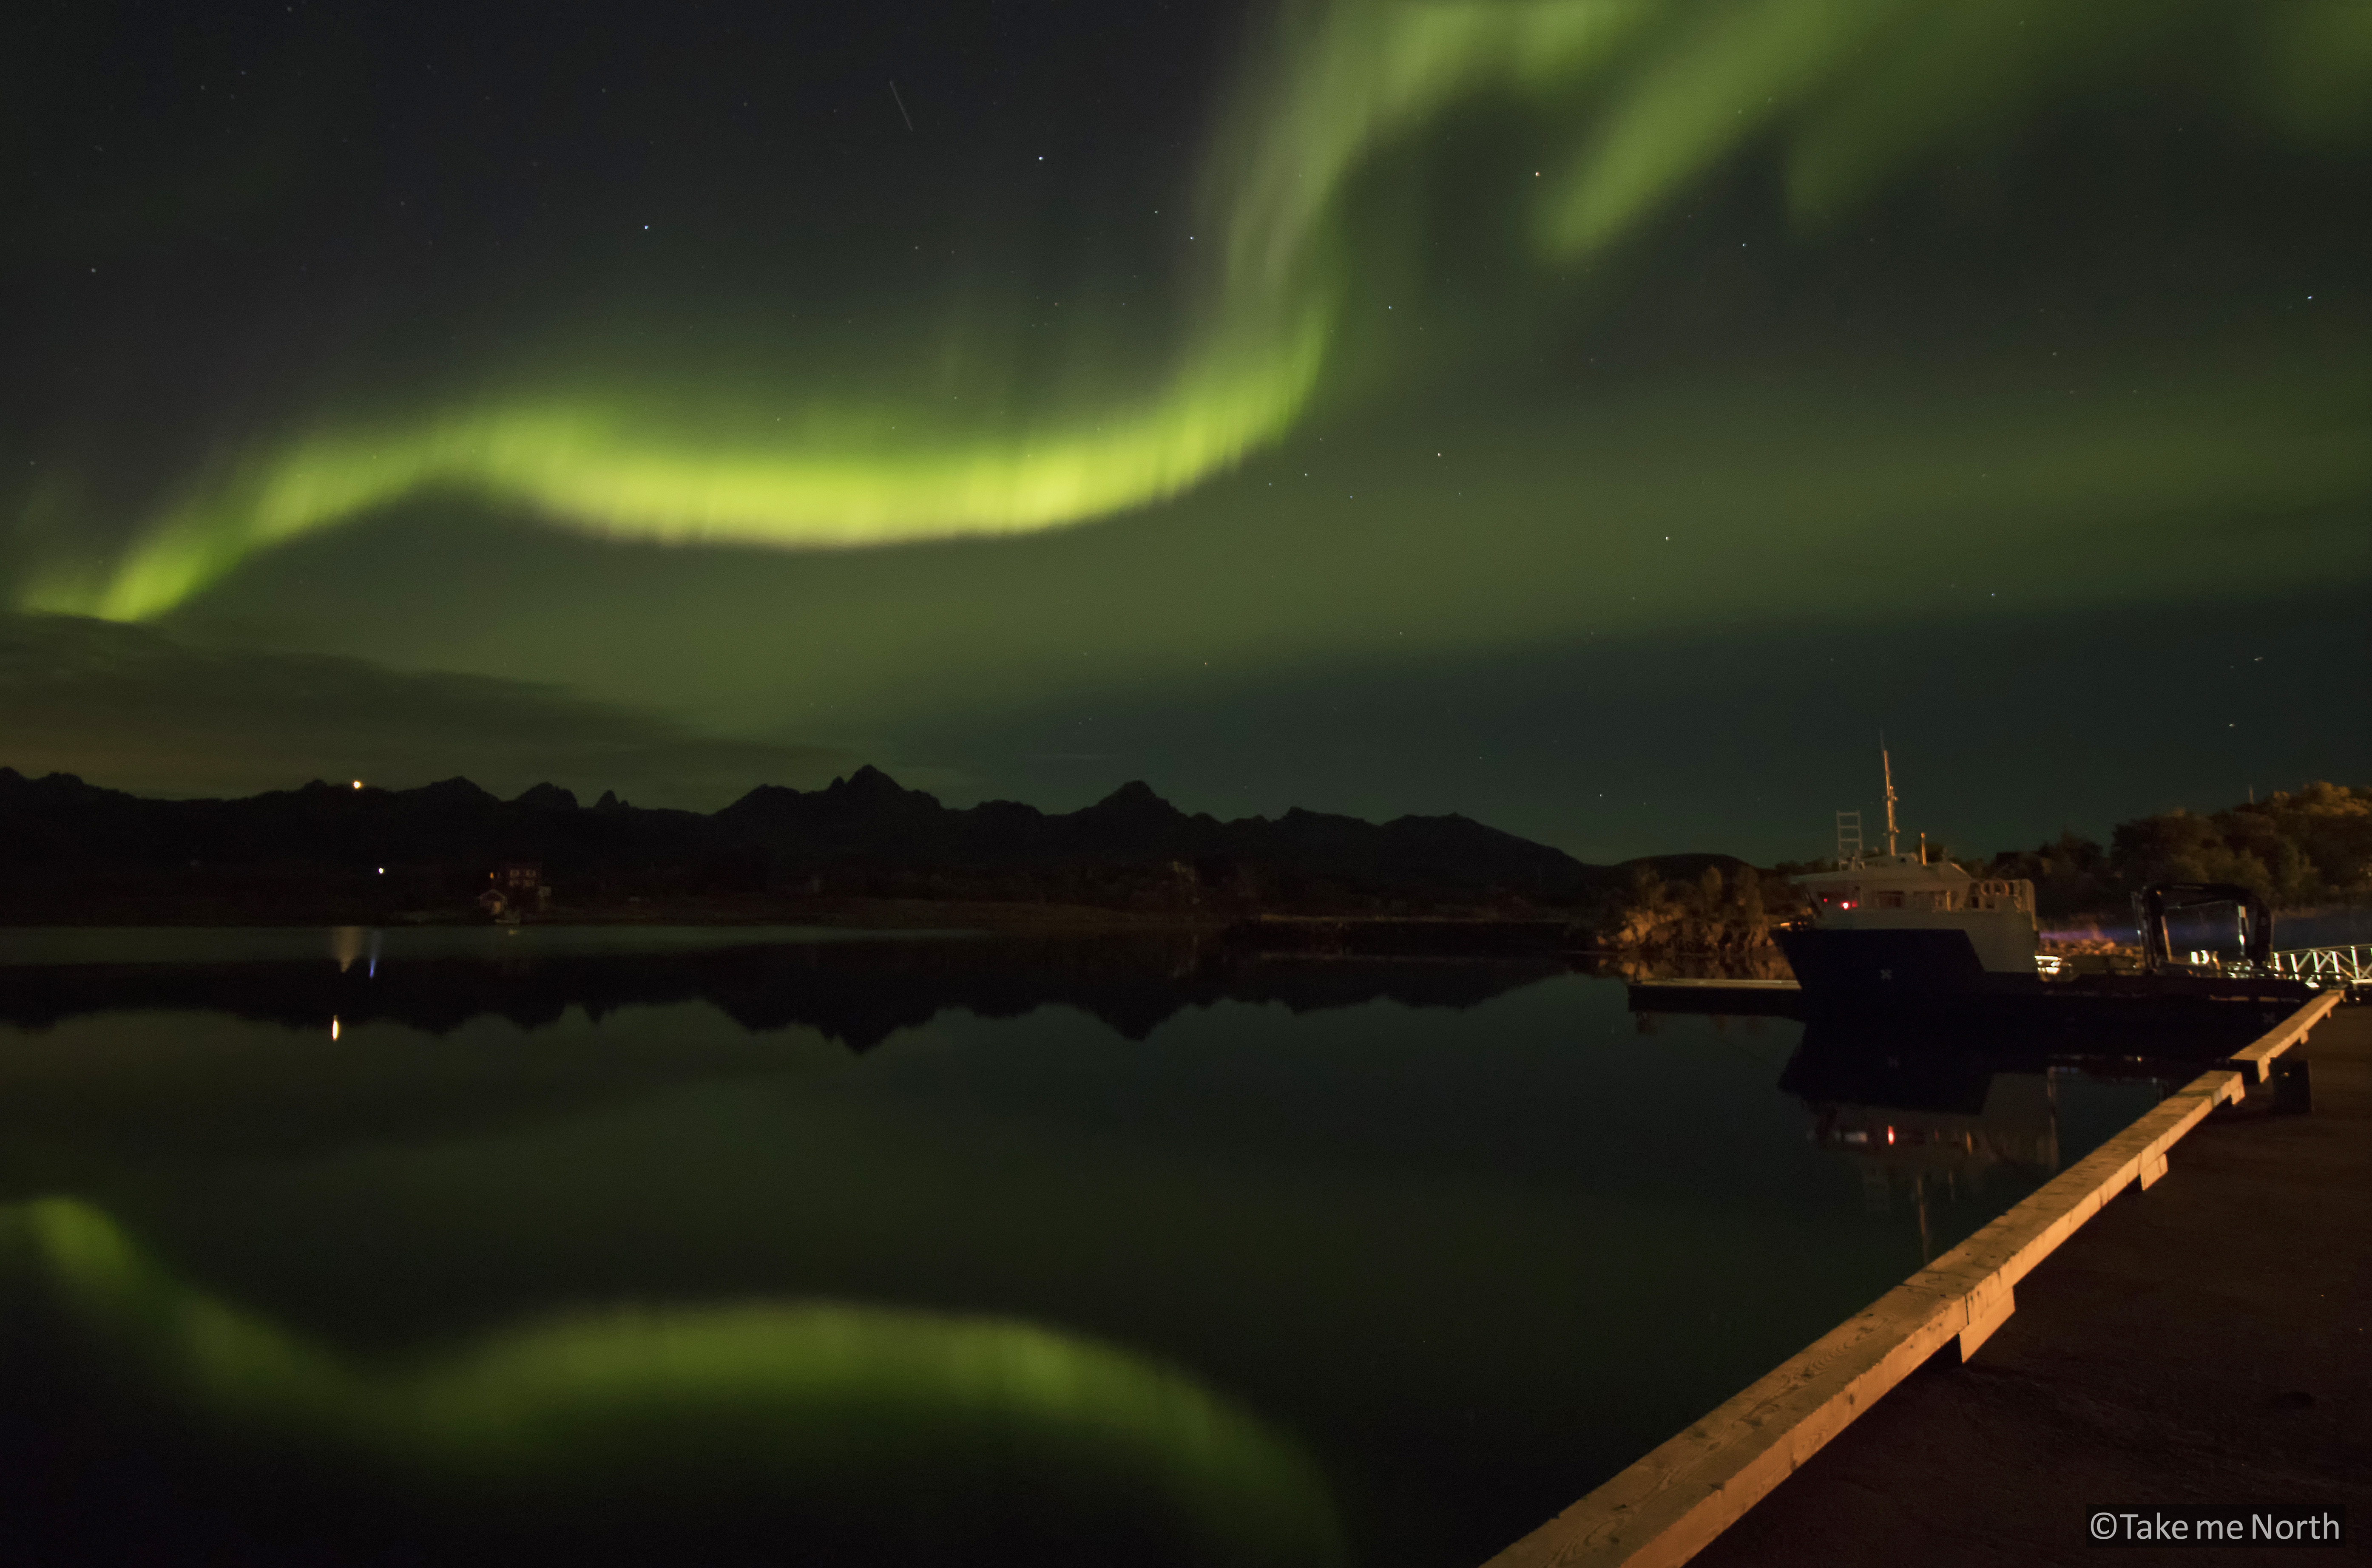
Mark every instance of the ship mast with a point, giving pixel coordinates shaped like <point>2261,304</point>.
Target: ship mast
<point>1888,764</point>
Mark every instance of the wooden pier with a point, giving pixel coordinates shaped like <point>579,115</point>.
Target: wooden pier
<point>1675,1502</point>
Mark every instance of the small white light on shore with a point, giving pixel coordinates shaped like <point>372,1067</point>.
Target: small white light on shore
<point>358,783</point>
<point>333,1028</point>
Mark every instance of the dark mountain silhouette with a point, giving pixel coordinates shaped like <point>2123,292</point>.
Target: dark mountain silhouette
<point>63,839</point>
<point>869,815</point>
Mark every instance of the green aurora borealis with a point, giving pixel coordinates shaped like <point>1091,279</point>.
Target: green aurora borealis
<point>1375,341</point>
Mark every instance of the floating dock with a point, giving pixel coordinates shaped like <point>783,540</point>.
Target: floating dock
<point>1761,998</point>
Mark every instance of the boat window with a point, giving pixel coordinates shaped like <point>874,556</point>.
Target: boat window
<point>1890,900</point>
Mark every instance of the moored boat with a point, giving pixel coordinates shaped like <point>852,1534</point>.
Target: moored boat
<point>1894,925</point>
<point>1896,929</point>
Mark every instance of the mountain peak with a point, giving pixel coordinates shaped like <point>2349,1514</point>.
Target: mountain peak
<point>454,791</point>
<point>1134,797</point>
<point>761,798</point>
<point>867,781</point>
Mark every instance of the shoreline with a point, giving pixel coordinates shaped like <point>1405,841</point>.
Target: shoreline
<point>1449,936</point>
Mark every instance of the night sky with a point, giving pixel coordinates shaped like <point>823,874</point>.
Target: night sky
<point>1602,418</point>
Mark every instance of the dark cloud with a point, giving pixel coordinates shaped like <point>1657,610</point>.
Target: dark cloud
<point>132,708</point>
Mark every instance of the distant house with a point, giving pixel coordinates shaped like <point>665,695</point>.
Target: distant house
<point>515,889</point>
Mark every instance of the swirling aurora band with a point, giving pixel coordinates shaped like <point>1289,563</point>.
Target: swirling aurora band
<point>791,1382</point>
<point>583,470</point>
<point>1648,95</point>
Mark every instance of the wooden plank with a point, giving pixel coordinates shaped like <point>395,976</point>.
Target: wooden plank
<point>1664,1509</point>
<point>2257,1059</point>
<point>1717,985</point>
<point>1987,1311</point>
<point>1667,1507</point>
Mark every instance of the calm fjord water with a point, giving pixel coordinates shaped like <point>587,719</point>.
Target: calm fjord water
<point>765,1247</point>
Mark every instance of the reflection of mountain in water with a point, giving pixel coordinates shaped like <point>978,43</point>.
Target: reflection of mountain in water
<point>95,1100</point>
<point>856,992</point>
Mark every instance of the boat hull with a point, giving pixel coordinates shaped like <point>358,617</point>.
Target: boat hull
<point>1936,973</point>
<point>1884,966</point>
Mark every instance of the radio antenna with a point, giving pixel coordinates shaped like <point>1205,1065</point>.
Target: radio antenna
<point>1886,762</point>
